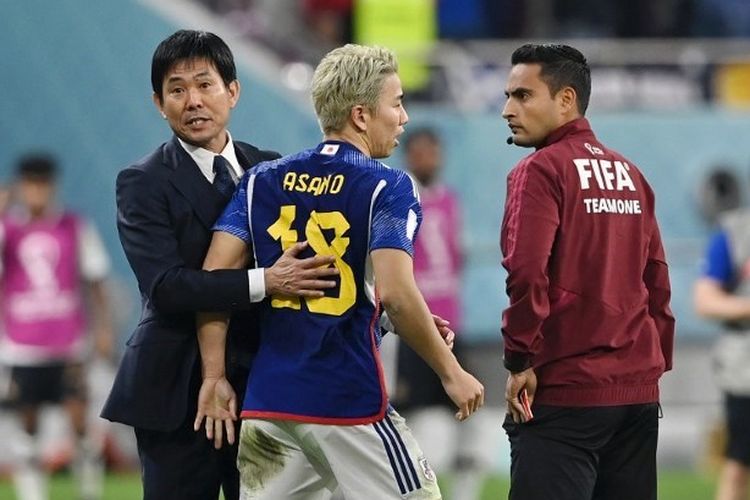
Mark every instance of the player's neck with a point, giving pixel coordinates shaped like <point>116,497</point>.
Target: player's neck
<point>352,137</point>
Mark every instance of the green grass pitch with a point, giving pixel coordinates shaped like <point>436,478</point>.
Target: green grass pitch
<point>673,485</point>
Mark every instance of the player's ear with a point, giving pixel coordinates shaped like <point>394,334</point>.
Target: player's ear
<point>359,115</point>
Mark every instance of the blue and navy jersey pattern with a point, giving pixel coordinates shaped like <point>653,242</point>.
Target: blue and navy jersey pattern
<point>718,261</point>
<point>318,360</point>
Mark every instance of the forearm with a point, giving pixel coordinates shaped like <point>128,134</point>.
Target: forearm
<point>727,309</point>
<point>659,293</point>
<point>181,290</point>
<point>212,333</point>
<point>529,229</point>
<point>225,253</point>
<point>412,320</point>
<point>656,281</point>
<point>101,310</point>
<point>528,292</point>
<point>223,284</point>
<point>713,302</point>
<point>155,248</point>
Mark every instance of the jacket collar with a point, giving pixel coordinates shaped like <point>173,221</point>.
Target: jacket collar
<point>187,178</point>
<point>577,126</point>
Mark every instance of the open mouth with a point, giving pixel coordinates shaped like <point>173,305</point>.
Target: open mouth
<point>196,121</point>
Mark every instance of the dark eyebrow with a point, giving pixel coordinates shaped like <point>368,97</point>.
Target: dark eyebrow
<point>518,92</point>
<point>202,74</point>
<point>173,79</point>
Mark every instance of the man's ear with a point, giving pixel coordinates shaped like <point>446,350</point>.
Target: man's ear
<point>568,100</point>
<point>360,117</point>
<point>234,92</point>
<point>157,102</point>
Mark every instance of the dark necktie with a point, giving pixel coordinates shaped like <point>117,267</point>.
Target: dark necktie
<point>222,177</point>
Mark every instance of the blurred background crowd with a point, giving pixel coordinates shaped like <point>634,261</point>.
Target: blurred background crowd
<point>671,89</point>
<point>442,40</point>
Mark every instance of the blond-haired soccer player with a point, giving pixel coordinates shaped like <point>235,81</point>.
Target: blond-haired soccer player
<point>316,412</point>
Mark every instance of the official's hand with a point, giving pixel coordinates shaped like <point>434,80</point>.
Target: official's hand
<point>217,403</point>
<point>515,385</point>
<point>443,327</point>
<point>293,276</point>
<point>465,391</point>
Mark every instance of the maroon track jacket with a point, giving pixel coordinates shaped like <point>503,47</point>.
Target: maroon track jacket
<point>587,276</point>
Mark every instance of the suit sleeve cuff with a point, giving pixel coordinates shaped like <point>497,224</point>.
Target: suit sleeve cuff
<point>516,362</point>
<point>256,280</point>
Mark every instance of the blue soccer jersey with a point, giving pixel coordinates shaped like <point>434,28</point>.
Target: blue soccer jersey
<point>318,359</point>
<point>718,261</point>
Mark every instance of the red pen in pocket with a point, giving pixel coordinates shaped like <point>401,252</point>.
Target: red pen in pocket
<point>524,397</point>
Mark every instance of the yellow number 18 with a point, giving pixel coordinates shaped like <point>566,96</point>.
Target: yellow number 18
<point>282,231</point>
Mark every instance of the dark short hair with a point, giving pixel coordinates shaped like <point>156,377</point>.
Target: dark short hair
<point>37,166</point>
<point>191,44</point>
<point>562,66</point>
<point>421,133</point>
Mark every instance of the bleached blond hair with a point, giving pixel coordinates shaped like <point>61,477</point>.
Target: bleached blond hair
<point>349,76</point>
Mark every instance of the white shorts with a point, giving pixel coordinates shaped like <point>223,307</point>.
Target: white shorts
<point>291,460</point>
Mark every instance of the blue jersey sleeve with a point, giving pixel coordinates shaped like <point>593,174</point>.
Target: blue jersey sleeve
<point>396,215</point>
<point>718,262</point>
<point>234,220</point>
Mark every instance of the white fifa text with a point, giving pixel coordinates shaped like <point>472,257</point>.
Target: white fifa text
<point>607,176</point>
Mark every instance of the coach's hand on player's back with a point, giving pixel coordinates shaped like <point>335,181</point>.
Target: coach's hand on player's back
<point>291,275</point>
<point>465,391</point>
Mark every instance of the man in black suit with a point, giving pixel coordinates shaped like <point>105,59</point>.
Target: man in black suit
<point>167,204</point>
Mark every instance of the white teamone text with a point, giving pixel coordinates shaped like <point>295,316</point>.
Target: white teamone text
<point>608,176</point>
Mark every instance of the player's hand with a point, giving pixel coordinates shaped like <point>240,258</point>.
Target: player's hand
<point>293,276</point>
<point>520,390</point>
<point>465,391</point>
<point>443,327</point>
<point>217,403</point>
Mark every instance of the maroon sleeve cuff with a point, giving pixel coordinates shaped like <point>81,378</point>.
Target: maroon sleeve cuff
<point>516,362</point>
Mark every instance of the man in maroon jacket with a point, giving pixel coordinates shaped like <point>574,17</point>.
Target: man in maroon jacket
<point>589,331</point>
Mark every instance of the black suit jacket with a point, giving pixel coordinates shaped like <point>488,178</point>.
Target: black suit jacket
<point>165,211</point>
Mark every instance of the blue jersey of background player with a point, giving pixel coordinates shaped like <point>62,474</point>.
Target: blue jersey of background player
<point>318,360</point>
<point>722,293</point>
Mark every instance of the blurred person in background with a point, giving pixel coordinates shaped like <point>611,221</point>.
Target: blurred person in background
<point>52,279</point>
<point>166,206</point>
<point>438,270</point>
<point>722,293</point>
<point>4,198</point>
<point>589,331</point>
<point>329,20</point>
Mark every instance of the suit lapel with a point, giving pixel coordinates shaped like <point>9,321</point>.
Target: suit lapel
<point>187,178</point>
<point>247,157</point>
